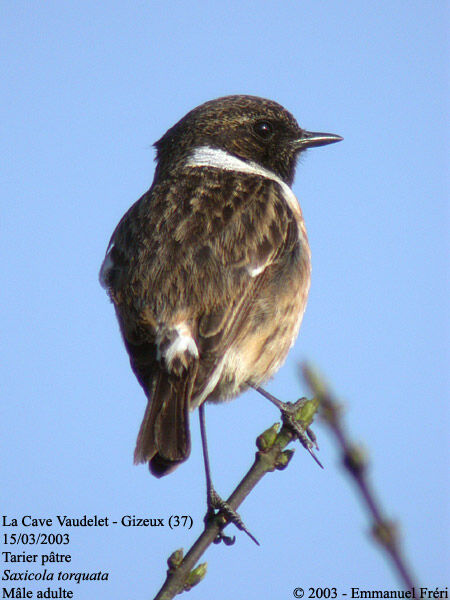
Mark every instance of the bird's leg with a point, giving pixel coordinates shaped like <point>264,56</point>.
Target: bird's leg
<point>288,410</point>
<point>214,501</point>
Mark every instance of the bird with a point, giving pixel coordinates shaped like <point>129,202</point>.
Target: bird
<point>209,271</point>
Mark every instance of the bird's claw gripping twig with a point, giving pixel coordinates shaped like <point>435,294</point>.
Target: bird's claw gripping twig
<point>289,411</point>
<point>306,437</point>
<point>215,503</point>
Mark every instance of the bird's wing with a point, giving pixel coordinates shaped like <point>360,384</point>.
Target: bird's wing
<point>247,244</point>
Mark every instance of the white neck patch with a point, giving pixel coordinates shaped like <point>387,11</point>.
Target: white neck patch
<point>205,156</point>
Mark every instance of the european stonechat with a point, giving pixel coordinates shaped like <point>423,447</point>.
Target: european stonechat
<point>209,271</point>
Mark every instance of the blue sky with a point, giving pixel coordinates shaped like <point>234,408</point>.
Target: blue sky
<point>86,89</point>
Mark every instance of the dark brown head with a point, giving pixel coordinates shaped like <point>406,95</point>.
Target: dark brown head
<point>251,128</point>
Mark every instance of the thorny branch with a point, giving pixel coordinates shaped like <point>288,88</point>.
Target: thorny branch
<point>384,531</point>
<point>271,456</point>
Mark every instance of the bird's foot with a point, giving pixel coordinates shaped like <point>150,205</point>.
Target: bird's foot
<point>305,435</point>
<point>289,412</point>
<point>215,503</point>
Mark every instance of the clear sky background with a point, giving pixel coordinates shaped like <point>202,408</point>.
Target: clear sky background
<point>87,87</point>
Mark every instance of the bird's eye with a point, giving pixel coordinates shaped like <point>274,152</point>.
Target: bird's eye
<point>264,130</point>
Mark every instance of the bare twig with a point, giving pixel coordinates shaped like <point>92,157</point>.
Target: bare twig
<point>355,462</point>
<point>271,455</point>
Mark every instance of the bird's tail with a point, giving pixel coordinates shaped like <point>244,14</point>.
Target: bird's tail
<point>164,439</point>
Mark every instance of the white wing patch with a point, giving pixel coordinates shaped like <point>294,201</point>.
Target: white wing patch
<point>254,271</point>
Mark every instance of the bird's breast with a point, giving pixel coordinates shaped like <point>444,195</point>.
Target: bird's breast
<point>271,327</point>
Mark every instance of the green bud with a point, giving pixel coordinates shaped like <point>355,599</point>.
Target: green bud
<point>386,533</point>
<point>267,439</point>
<point>307,410</point>
<point>284,459</point>
<point>175,559</point>
<point>195,576</point>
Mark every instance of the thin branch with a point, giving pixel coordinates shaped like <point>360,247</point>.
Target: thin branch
<point>270,456</point>
<point>355,462</point>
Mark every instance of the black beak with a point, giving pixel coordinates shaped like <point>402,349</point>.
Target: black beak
<point>309,139</point>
